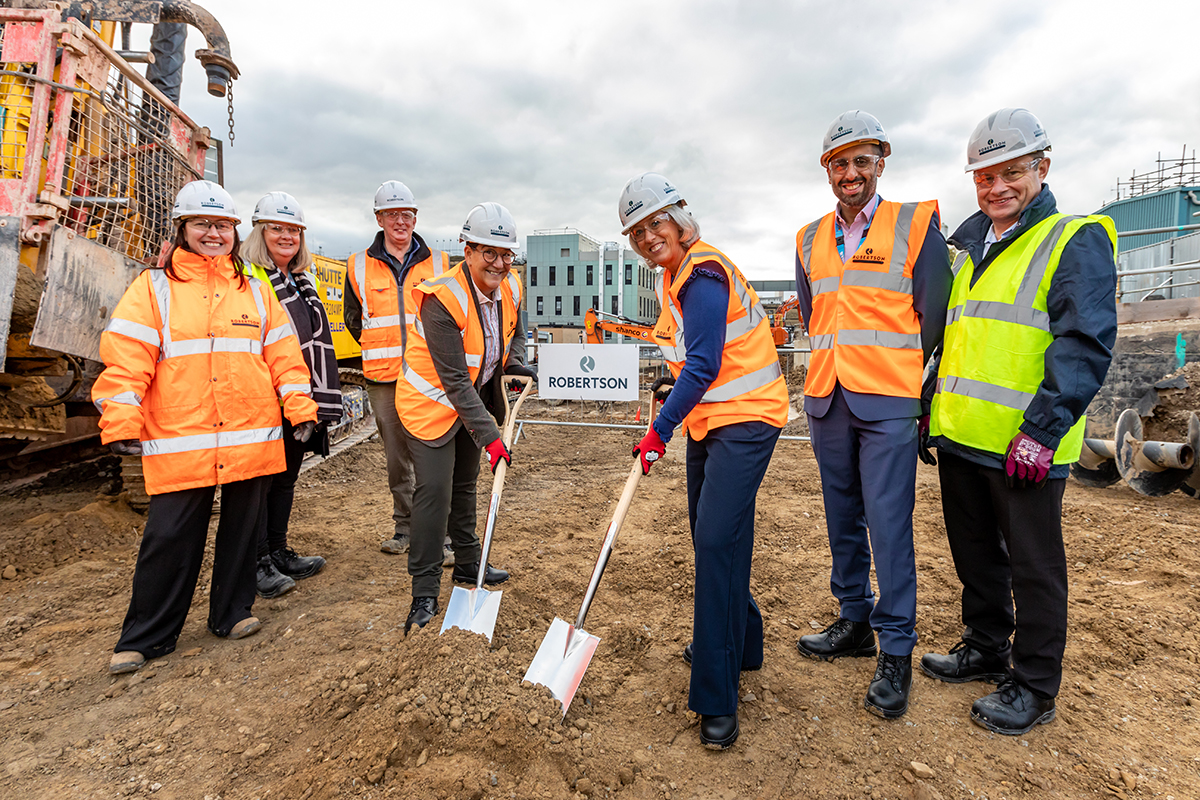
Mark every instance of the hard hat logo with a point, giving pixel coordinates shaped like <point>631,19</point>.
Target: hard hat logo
<point>851,127</point>
<point>990,146</point>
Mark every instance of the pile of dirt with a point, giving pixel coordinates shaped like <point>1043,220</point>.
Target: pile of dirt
<point>54,537</point>
<point>1177,398</point>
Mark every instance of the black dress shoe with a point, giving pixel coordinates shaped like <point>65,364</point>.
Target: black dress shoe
<point>295,566</point>
<point>718,732</point>
<point>965,663</point>
<point>466,573</point>
<point>842,638</point>
<point>1012,709</point>
<point>687,659</point>
<point>269,581</point>
<point>423,609</point>
<point>887,696</point>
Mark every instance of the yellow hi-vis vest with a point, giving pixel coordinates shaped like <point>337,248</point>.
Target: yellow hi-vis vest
<point>374,283</point>
<point>749,385</point>
<point>421,400</point>
<point>997,332</point>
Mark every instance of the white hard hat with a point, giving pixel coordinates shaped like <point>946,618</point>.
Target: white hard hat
<point>490,224</point>
<point>279,207</point>
<point>204,199</point>
<point>1005,134</point>
<point>394,194</point>
<point>642,196</point>
<point>853,127</point>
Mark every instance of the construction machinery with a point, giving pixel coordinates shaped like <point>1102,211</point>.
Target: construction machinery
<point>780,331</point>
<point>594,322</point>
<point>92,154</point>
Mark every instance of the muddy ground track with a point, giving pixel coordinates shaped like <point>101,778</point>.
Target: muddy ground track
<point>330,700</point>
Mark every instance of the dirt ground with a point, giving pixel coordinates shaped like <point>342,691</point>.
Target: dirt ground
<point>330,700</point>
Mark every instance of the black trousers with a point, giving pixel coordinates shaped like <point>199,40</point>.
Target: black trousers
<point>168,564</point>
<point>1008,551</point>
<point>282,493</point>
<point>443,505</point>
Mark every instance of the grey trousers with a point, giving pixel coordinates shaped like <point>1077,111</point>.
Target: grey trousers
<point>395,447</point>
<point>443,504</point>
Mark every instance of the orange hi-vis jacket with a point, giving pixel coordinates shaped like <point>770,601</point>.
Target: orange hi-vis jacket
<point>195,369</point>
<point>383,334</point>
<point>749,385</point>
<point>421,400</point>
<point>864,331</point>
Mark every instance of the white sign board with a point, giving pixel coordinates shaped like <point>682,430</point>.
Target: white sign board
<point>588,371</point>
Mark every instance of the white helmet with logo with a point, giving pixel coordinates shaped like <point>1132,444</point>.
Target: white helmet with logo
<point>393,194</point>
<point>642,196</point>
<point>279,207</point>
<point>204,199</point>
<point>490,224</point>
<point>1005,134</point>
<point>853,127</point>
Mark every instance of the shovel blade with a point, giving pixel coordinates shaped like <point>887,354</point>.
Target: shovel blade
<point>561,660</point>
<point>472,610</point>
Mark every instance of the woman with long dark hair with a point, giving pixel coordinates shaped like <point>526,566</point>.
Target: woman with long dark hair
<point>197,358</point>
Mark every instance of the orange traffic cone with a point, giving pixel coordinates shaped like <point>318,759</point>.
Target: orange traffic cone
<point>638,418</point>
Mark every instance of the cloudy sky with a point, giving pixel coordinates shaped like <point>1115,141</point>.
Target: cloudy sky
<point>550,107</point>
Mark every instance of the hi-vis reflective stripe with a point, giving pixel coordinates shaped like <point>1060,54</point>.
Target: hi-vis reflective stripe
<point>877,280</point>
<point>747,383</point>
<point>1021,310</point>
<point>904,218</point>
<point>958,262</point>
<point>456,289</point>
<point>360,280</point>
<point>256,290</point>
<point>806,245</point>
<point>739,327</point>
<point>514,285</point>
<point>980,390</point>
<point>425,387</point>
<point>275,334</point>
<point>304,389</point>
<point>871,338</point>
<point>376,353</point>
<point>124,398</point>
<point>217,344</point>
<point>822,341</point>
<point>210,441</point>
<point>823,285</point>
<point>893,280</point>
<point>134,330</point>
<point>162,293</point>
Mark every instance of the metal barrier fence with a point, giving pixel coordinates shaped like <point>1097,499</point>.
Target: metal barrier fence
<point>1168,270</point>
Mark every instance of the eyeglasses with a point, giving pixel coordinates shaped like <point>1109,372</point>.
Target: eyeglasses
<point>393,215</point>
<point>490,255</point>
<point>986,180</point>
<point>202,225</point>
<point>285,230</point>
<point>653,225</point>
<point>861,163</point>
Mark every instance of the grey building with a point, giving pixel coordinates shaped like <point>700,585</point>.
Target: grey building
<point>567,272</point>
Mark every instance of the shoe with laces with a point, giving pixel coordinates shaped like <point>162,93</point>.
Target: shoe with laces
<point>1012,709</point>
<point>887,696</point>
<point>296,566</point>
<point>843,638</point>
<point>965,663</point>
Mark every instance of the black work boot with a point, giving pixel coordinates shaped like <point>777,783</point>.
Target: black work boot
<point>965,663</point>
<point>423,610</point>
<point>718,732</point>
<point>887,696</point>
<point>842,638</point>
<point>270,582</point>
<point>467,573</point>
<point>1012,709</point>
<point>295,566</point>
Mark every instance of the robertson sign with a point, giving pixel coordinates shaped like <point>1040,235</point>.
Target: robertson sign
<point>588,372</point>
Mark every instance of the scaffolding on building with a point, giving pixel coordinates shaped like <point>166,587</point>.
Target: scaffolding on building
<point>1168,173</point>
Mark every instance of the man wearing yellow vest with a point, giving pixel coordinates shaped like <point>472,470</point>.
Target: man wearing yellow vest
<point>872,278</point>
<point>378,313</point>
<point>467,335</point>
<point>1028,341</point>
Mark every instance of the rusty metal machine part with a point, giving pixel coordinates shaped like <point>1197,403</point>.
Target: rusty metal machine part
<point>1097,466</point>
<point>1151,468</point>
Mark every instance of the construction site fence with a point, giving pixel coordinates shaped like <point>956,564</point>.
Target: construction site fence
<point>1166,270</point>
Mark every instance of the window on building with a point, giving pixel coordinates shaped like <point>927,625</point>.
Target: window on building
<point>552,276</point>
<point>629,274</point>
<point>558,306</point>
<point>614,304</point>
<point>595,302</point>
<point>591,277</point>
<point>539,307</point>
<point>565,252</point>
<point>570,275</point>
<point>533,276</point>
<point>608,274</point>
<point>608,336</point>
<point>577,298</point>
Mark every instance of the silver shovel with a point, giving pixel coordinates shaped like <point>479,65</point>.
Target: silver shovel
<point>475,609</point>
<point>567,649</point>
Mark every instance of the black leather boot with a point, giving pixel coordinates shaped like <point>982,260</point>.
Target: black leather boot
<point>965,663</point>
<point>270,581</point>
<point>887,696</point>
<point>296,566</point>
<point>718,732</point>
<point>423,610</point>
<point>467,573</point>
<point>1012,709</point>
<point>842,638</point>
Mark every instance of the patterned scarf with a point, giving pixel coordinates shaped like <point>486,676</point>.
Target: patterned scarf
<point>304,309</point>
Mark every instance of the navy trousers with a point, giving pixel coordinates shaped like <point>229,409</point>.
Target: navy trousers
<point>868,479</point>
<point>724,470</point>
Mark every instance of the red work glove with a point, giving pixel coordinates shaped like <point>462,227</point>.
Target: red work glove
<point>496,451</point>
<point>1026,461</point>
<point>923,441</point>
<point>651,449</point>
